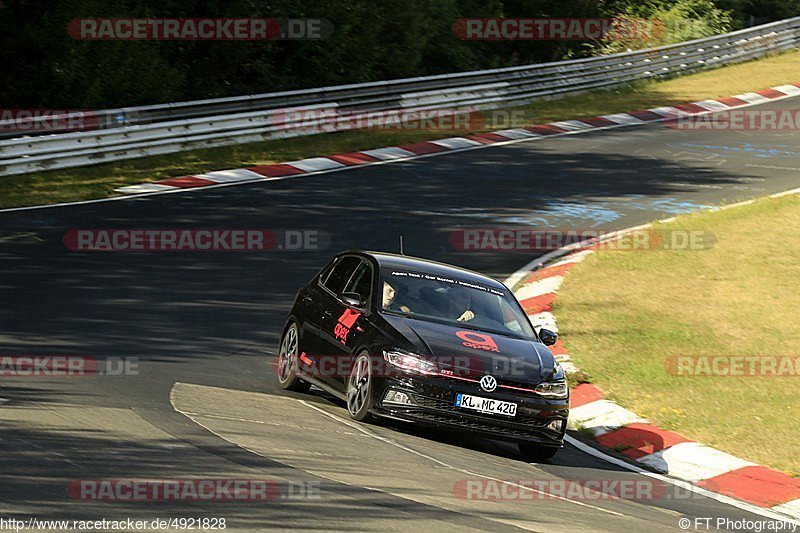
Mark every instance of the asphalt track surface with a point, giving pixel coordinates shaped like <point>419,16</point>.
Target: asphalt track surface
<point>205,327</point>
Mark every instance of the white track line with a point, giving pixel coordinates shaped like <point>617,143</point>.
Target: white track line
<point>405,497</point>
<point>457,469</point>
<point>440,142</point>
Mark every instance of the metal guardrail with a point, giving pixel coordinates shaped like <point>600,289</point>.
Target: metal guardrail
<point>160,129</point>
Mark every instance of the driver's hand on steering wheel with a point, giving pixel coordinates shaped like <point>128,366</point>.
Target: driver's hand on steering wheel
<point>466,316</point>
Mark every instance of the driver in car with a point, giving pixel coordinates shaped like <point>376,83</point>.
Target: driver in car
<point>389,295</point>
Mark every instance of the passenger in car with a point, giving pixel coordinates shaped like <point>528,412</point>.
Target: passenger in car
<point>462,303</point>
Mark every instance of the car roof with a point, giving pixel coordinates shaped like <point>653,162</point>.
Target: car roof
<point>386,259</point>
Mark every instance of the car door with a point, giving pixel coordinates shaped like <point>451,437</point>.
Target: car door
<point>347,324</point>
<point>326,299</point>
<point>309,312</point>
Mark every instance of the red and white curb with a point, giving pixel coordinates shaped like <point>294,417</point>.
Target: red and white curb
<point>616,428</point>
<point>456,144</point>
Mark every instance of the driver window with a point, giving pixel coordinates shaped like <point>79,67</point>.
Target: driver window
<point>361,281</point>
<point>341,273</point>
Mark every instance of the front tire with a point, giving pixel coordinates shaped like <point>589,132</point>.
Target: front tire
<point>535,453</point>
<point>359,389</point>
<point>288,362</point>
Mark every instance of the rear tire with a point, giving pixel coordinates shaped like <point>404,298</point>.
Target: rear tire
<point>359,389</point>
<point>536,453</point>
<point>288,362</point>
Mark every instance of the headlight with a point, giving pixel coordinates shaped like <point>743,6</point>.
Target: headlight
<point>552,389</point>
<point>410,362</point>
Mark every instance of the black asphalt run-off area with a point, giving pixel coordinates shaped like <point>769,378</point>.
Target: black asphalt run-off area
<point>211,322</point>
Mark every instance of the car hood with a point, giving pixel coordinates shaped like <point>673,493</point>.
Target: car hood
<point>474,353</point>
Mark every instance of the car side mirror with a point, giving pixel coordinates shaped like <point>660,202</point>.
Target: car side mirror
<point>548,337</point>
<point>353,299</point>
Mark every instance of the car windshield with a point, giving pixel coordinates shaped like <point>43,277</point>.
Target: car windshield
<point>431,297</point>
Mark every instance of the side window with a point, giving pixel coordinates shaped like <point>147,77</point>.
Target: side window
<point>361,282</point>
<point>341,274</point>
<point>325,272</point>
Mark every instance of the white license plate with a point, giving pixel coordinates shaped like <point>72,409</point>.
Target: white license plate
<point>486,405</point>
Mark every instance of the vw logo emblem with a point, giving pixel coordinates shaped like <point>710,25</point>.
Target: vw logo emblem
<point>488,383</point>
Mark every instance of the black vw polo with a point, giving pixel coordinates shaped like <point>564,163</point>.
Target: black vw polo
<point>428,343</point>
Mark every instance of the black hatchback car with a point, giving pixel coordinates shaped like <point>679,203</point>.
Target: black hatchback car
<point>428,343</point>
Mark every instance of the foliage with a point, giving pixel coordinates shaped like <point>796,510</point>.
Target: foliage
<point>43,67</point>
<point>665,22</point>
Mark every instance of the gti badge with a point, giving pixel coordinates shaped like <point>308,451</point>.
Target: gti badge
<point>488,383</point>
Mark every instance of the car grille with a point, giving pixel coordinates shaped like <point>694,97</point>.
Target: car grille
<point>522,425</point>
<point>470,422</point>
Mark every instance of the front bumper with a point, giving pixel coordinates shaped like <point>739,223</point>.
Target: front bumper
<point>434,399</point>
